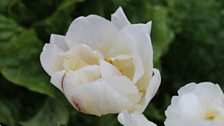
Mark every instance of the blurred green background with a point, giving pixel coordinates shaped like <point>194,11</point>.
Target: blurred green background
<point>188,41</point>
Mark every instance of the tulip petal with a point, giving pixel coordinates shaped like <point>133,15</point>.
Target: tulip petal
<point>125,64</point>
<point>57,79</point>
<point>134,119</point>
<point>59,40</point>
<point>80,56</point>
<point>190,106</point>
<point>119,18</point>
<point>85,74</point>
<point>51,58</point>
<point>139,35</point>
<point>94,31</point>
<point>101,96</point>
<point>184,122</point>
<point>152,88</point>
<point>108,70</point>
<point>124,86</point>
<point>139,69</point>
<point>207,90</point>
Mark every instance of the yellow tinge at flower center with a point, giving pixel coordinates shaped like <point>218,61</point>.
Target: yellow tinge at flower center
<point>83,56</point>
<point>109,60</point>
<point>210,115</point>
<point>127,71</point>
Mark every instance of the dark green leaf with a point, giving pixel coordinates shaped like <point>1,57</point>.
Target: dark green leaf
<point>21,65</point>
<point>108,120</point>
<point>8,30</point>
<point>7,115</point>
<point>53,113</point>
<point>68,3</point>
<point>161,35</point>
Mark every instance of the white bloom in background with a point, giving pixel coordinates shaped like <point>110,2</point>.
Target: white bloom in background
<point>197,105</point>
<point>103,66</point>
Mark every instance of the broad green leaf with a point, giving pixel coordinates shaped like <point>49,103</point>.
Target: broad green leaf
<point>161,35</point>
<point>5,5</point>
<point>53,113</point>
<point>65,4</point>
<point>108,120</point>
<point>20,63</point>
<point>8,30</point>
<point>153,112</point>
<point>7,115</point>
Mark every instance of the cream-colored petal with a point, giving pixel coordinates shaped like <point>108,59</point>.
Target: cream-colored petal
<point>59,40</point>
<point>119,18</point>
<point>122,85</point>
<point>125,64</point>
<point>208,90</point>
<point>190,106</point>
<point>80,56</point>
<point>94,31</point>
<point>139,35</point>
<point>95,97</point>
<point>83,75</point>
<point>139,69</point>
<point>220,119</point>
<point>151,89</point>
<point>205,91</point>
<point>184,122</point>
<point>108,70</point>
<point>136,58</point>
<point>134,119</point>
<point>125,87</point>
<point>57,79</point>
<point>51,58</point>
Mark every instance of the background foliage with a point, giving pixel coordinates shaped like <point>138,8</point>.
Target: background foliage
<point>188,46</point>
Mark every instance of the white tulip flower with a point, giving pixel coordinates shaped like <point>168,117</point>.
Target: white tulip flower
<point>103,66</point>
<point>197,105</point>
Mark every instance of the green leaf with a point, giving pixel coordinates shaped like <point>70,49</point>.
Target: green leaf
<point>53,113</point>
<point>65,4</point>
<point>153,112</point>
<point>161,35</point>
<point>5,113</point>
<point>5,5</point>
<point>8,30</point>
<point>108,120</point>
<point>20,63</point>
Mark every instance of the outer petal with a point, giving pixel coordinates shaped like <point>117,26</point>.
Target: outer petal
<point>205,91</point>
<point>94,31</point>
<point>142,44</point>
<point>51,58</point>
<point>134,119</point>
<point>184,122</point>
<point>57,79</point>
<point>190,106</point>
<point>119,19</point>
<point>152,89</point>
<point>59,40</point>
<point>101,96</point>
